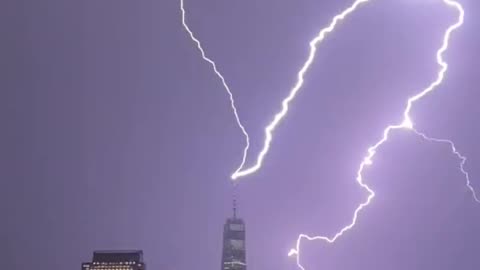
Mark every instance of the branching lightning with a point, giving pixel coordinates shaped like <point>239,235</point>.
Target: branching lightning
<point>405,124</point>
<point>462,159</point>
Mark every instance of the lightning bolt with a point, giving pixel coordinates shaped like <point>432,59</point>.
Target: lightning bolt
<point>222,79</point>
<point>405,124</point>
<point>462,159</point>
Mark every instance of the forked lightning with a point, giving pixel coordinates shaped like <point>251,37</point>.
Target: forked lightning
<point>406,123</point>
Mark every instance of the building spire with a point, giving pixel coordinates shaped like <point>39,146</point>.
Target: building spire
<point>234,208</point>
<point>234,195</point>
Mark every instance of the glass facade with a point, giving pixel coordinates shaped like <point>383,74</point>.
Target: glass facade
<point>234,249</point>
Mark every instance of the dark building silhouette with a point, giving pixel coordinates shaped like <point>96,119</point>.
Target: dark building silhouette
<point>116,260</point>
<point>234,252</point>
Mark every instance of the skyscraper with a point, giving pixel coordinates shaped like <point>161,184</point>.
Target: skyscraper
<point>116,260</point>
<point>234,251</point>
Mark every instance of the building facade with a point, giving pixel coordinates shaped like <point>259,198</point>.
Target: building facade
<point>116,260</point>
<point>234,249</point>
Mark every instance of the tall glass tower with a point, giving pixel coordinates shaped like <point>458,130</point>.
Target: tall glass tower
<point>234,254</point>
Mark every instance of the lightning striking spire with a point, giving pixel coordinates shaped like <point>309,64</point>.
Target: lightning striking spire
<point>270,128</point>
<point>406,122</point>
<point>240,172</point>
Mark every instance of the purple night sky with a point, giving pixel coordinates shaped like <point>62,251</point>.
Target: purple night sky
<point>117,135</point>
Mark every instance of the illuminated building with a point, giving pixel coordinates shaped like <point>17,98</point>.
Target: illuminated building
<point>234,255</point>
<point>116,260</point>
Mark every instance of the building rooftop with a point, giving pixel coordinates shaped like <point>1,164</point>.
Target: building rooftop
<point>118,256</point>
